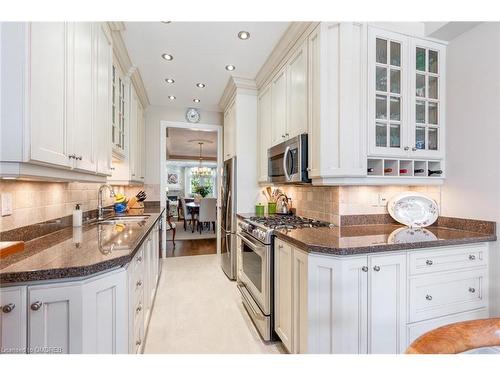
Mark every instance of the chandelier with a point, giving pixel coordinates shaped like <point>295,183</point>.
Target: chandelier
<point>201,171</point>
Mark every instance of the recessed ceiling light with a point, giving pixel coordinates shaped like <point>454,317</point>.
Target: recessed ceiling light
<point>200,85</point>
<point>243,35</point>
<point>171,97</point>
<point>230,67</point>
<point>167,57</point>
<point>170,80</point>
<point>196,100</point>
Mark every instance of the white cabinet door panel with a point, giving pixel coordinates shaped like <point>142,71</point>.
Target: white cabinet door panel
<point>13,320</point>
<point>283,293</point>
<point>297,93</point>
<point>300,302</point>
<point>279,106</point>
<point>48,88</point>
<point>55,319</point>
<point>387,304</point>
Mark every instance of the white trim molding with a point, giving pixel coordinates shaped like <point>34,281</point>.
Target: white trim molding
<point>125,62</point>
<point>242,85</point>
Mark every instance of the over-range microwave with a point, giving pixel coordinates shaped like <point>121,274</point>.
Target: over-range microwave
<point>287,161</point>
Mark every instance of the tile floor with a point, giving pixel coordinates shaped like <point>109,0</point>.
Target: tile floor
<point>198,310</point>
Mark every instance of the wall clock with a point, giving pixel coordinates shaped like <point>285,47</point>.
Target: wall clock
<point>192,115</point>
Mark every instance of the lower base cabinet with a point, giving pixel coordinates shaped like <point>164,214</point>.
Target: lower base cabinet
<point>368,304</point>
<point>102,314</point>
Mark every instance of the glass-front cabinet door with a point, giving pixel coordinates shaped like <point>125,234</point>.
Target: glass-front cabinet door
<point>427,90</point>
<point>387,93</point>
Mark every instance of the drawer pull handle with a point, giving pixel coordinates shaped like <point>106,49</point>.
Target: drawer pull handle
<point>376,268</point>
<point>429,262</point>
<point>8,308</point>
<point>472,290</point>
<point>472,257</point>
<point>428,297</point>
<point>364,269</point>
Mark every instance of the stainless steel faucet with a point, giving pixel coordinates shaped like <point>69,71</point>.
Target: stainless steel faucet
<point>100,208</point>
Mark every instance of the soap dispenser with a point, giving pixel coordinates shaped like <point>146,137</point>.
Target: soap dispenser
<point>77,216</point>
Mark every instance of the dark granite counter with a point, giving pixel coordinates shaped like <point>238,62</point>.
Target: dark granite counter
<point>79,252</point>
<point>364,234</point>
<point>365,239</point>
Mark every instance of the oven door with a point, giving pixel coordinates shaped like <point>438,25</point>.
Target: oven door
<point>256,270</point>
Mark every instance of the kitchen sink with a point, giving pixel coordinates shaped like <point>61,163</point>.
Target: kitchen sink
<point>128,219</point>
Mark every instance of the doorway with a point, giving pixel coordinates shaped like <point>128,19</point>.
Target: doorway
<point>191,156</point>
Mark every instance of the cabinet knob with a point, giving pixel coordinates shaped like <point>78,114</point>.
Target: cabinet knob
<point>472,290</point>
<point>139,260</point>
<point>138,342</point>
<point>376,268</point>
<point>72,156</point>
<point>138,309</point>
<point>414,149</point>
<point>79,157</point>
<point>472,257</point>
<point>139,283</point>
<point>283,136</point>
<point>35,306</point>
<point>287,135</point>
<point>8,308</point>
<point>428,297</point>
<point>429,262</point>
<point>364,269</point>
<point>406,148</point>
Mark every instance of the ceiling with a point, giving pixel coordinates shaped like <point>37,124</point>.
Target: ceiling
<point>201,50</point>
<point>184,144</point>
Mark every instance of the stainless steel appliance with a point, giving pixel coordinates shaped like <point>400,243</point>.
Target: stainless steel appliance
<point>228,218</point>
<point>256,276</point>
<point>287,162</point>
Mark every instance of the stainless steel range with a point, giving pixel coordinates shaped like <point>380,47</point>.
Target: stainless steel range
<point>256,271</point>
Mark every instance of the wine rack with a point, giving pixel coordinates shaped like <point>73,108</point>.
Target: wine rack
<point>386,167</point>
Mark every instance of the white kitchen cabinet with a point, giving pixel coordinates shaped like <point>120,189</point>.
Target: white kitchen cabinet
<point>53,115</point>
<point>48,90</point>
<point>229,131</point>
<point>297,93</point>
<point>374,303</point>
<point>13,320</point>
<point>264,131</point>
<point>105,318</point>
<point>406,83</point>
<point>55,318</point>
<point>278,107</point>
<point>283,281</point>
<point>103,101</point>
<point>387,303</point>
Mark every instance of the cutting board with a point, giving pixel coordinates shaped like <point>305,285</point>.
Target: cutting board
<point>10,247</point>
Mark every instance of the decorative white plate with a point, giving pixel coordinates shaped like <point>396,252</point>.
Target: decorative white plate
<point>409,235</point>
<point>413,209</point>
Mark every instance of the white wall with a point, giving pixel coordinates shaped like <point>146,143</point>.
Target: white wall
<point>472,186</point>
<point>155,114</point>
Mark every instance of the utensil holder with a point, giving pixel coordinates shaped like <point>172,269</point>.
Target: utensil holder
<point>271,208</point>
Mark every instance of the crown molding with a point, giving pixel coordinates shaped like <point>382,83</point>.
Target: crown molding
<point>296,32</point>
<point>125,62</point>
<point>237,84</point>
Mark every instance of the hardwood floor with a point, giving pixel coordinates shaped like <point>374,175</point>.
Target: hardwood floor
<point>191,247</point>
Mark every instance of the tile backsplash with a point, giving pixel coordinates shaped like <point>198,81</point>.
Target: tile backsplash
<point>330,203</point>
<point>34,202</point>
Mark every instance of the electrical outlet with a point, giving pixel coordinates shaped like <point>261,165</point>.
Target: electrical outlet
<point>6,199</point>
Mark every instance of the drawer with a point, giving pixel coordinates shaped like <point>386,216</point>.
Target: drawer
<point>448,259</point>
<point>416,330</point>
<point>433,296</point>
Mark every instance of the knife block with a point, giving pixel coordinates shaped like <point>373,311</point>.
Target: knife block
<point>136,205</point>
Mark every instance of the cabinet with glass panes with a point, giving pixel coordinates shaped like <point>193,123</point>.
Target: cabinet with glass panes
<point>405,96</point>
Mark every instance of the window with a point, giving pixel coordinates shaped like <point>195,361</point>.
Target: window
<point>207,182</point>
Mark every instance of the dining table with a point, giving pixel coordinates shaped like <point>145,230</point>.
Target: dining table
<point>194,209</point>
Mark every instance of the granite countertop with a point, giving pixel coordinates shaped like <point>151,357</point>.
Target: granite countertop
<point>79,252</point>
<point>364,239</point>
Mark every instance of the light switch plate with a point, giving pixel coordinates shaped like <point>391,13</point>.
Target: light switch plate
<point>6,204</point>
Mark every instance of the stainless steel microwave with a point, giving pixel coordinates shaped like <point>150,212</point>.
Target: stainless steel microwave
<point>287,161</point>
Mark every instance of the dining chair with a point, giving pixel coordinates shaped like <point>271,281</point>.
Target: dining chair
<point>208,212</point>
<point>171,226</point>
<point>458,337</point>
<point>185,213</point>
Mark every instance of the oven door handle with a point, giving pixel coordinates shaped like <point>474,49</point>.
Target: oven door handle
<point>285,156</point>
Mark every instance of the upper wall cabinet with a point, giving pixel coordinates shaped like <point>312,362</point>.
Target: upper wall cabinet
<point>289,98</point>
<point>55,91</point>
<point>405,92</point>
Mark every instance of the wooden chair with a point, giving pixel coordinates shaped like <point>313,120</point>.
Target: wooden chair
<point>458,337</point>
<point>171,226</point>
